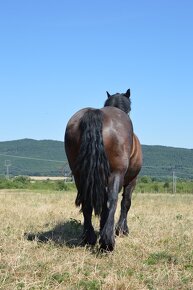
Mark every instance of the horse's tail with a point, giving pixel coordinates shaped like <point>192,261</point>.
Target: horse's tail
<point>92,164</point>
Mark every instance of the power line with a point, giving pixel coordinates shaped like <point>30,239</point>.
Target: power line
<point>33,158</point>
<point>65,161</point>
<point>154,166</point>
<point>184,173</point>
<point>166,167</point>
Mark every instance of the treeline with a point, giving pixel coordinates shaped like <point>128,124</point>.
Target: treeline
<point>144,184</point>
<point>23,182</point>
<point>153,185</point>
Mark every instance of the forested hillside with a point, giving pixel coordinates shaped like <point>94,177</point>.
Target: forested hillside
<point>47,158</point>
<point>162,161</point>
<point>32,157</point>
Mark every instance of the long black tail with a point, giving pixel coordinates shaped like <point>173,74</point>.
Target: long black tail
<point>92,163</point>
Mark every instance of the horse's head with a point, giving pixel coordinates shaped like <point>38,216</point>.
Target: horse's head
<point>121,101</point>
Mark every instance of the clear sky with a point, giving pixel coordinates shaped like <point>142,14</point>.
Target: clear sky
<point>57,57</point>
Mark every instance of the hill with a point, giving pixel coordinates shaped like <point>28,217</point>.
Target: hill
<point>47,158</point>
<point>162,161</point>
<point>32,157</point>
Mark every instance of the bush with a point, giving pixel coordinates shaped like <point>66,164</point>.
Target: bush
<point>22,179</point>
<point>65,186</point>
<point>21,182</point>
<point>4,183</point>
<point>145,179</point>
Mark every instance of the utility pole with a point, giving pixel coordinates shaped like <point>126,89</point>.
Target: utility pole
<point>174,182</point>
<point>7,165</point>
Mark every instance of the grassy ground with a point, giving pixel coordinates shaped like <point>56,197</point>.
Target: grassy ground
<point>158,253</point>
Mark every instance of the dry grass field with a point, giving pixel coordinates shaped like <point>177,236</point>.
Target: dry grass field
<point>158,253</point>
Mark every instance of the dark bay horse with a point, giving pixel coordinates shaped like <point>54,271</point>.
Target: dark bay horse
<point>105,156</point>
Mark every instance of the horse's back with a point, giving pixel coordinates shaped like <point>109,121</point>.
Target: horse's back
<point>115,122</point>
<point>117,138</point>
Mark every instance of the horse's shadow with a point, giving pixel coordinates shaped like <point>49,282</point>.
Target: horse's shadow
<point>68,233</point>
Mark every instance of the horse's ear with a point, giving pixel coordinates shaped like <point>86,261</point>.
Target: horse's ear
<point>108,95</point>
<point>127,94</point>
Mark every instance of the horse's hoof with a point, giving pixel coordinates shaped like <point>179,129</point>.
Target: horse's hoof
<point>106,246</point>
<point>119,231</point>
<point>89,240</point>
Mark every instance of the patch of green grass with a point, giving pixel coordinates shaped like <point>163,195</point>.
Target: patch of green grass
<point>179,216</point>
<point>128,272</point>
<point>61,277</point>
<point>155,258</point>
<point>89,285</point>
<point>188,267</point>
<point>149,283</point>
<point>20,285</point>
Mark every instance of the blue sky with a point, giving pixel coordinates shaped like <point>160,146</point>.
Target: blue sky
<point>57,57</point>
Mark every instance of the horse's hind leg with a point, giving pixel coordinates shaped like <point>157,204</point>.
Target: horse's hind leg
<point>122,227</point>
<point>89,236</point>
<point>107,234</point>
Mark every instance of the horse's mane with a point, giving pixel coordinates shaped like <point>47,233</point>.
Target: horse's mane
<point>121,101</point>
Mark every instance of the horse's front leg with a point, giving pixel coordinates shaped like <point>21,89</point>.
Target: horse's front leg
<point>107,233</point>
<point>122,227</point>
<point>89,236</point>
